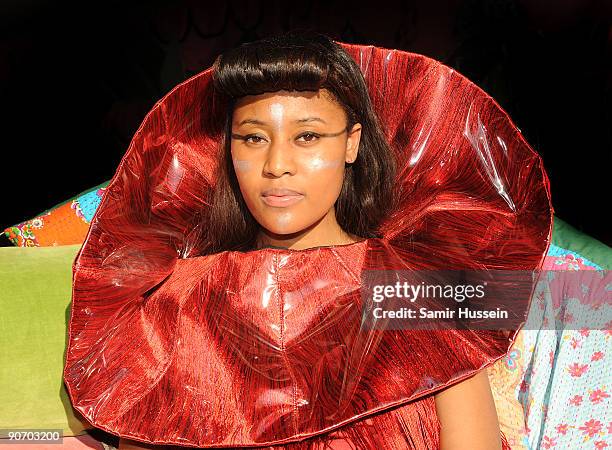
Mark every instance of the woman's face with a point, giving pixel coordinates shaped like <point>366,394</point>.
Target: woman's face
<point>289,149</point>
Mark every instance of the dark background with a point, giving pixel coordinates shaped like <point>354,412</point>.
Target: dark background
<point>78,78</point>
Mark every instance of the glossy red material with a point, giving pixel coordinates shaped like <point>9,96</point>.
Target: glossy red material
<point>259,348</point>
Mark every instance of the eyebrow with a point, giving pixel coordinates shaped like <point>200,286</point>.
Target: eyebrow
<point>260,122</point>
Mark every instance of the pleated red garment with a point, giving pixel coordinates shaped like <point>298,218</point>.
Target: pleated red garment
<point>265,348</point>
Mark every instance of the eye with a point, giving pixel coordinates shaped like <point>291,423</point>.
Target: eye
<point>311,137</point>
<point>258,139</point>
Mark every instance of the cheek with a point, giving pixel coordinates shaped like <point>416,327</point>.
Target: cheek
<point>246,176</point>
<point>242,165</point>
<point>326,174</point>
<point>319,163</point>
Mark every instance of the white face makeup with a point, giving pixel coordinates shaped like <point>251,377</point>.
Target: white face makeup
<point>242,165</point>
<point>289,151</point>
<point>283,220</point>
<point>318,163</point>
<point>277,112</point>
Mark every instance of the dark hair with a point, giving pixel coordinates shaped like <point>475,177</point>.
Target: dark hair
<point>301,61</point>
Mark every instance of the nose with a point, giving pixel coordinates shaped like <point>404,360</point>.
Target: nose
<point>279,160</point>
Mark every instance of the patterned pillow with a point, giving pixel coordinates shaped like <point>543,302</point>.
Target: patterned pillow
<point>551,390</point>
<point>505,377</point>
<point>64,224</point>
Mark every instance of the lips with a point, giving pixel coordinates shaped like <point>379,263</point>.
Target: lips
<point>280,192</point>
<point>281,197</point>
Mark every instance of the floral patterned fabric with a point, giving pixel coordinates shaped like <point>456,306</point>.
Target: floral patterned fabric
<point>65,224</point>
<point>566,387</point>
<point>552,390</point>
<point>505,377</point>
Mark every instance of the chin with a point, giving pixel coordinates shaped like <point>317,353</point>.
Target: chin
<point>282,223</point>
<point>282,230</point>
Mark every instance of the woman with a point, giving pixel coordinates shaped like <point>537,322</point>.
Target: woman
<point>218,296</point>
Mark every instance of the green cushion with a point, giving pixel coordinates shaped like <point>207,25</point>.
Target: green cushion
<point>35,294</point>
<point>569,238</point>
